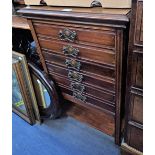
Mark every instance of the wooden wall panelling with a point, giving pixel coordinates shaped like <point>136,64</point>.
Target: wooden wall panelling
<point>133,137</point>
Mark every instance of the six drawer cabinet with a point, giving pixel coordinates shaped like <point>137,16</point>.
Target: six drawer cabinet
<point>133,139</point>
<point>84,52</point>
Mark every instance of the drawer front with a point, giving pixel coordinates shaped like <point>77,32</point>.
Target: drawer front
<point>79,35</point>
<point>91,91</point>
<point>84,99</point>
<point>77,64</point>
<point>99,83</point>
<point>137,70</point>
<point>102,56</point>
<point>135,137</point>
<point>136,108</point>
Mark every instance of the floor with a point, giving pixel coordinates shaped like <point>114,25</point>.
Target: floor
<point>65,136</point>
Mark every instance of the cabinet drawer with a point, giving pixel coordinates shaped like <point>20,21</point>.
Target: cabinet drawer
<point>102,56</point>
<point>108,97</point>
<point>85,66</point>
<point>88,99</point>
<point>136,108</point>
<point>103,84</point>
<point>79,35</point>
<point>135,137</point>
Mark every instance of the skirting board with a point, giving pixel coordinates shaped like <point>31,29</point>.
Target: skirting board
<point>128,150</point>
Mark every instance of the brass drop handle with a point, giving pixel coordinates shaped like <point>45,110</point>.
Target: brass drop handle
<point>67,35</point>
<point>70,51</point>
<point>71,63</point>
<point>75,86</point>
<point>79,96</point>
<point>75,76</point>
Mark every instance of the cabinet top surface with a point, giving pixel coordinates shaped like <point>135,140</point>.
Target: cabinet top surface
<point>19,22</point>
<point>99,15</point>
<point>97,10</point>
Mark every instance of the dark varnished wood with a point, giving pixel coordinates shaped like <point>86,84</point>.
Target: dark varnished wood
<point>100,35</point>
<point>138,36</point>
<point>99,39</point>
<point>133,139</point>
<point>90,100</point>
<point>99,119</point>
<point>102,56</point>
<point>86,66</point>
<point>96,16</point>
<point>20,22</point>
<point>137,70</point>
<point>136,108</point>
<point>104,84</point>
<point>119,83</point>
<point>136,137</point>
<point>96,93</point>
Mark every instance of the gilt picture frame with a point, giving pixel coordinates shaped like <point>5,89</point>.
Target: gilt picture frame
<point>23,97</point>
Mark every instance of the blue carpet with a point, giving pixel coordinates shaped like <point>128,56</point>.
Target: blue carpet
<point>65,136</point>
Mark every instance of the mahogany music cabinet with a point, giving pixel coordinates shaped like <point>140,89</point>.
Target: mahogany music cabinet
<point>84,51</point>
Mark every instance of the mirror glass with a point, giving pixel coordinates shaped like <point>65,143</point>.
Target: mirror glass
<point>42,94</point>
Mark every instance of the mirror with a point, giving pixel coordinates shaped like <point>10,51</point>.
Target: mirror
<point>42,94</point>
<point>45,92</point>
